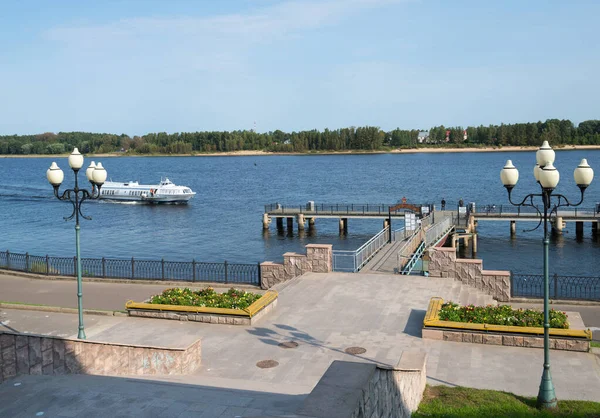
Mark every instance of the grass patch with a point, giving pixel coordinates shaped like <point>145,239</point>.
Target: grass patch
<point>23,303</point>
<point>450,402</point>
<point>232,299</point>
<point>595,344</point>
<point>501,315</point>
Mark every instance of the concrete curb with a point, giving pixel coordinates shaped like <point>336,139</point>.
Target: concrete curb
<point>179,283</point>
<point>595,350</point>
<point>58,309</point>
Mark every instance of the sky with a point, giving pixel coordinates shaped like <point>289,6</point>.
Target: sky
<point>136,66</point>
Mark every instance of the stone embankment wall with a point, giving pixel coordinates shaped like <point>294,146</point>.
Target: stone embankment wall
<point>318,259</point>
<point>443,263</point>
<point>37,354</point>
<point>350,389</point>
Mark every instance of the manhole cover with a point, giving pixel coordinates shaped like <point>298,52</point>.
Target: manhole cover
<point>267,364</point>
<point>289,344</point>
<point>355,350</point>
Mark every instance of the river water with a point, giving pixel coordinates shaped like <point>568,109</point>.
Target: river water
<point>224,220</point>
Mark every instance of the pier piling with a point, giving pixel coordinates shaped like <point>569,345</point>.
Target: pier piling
<point>290,224</point>
<point>300,220</point>
<point>343,226</point>
<point>513,228</point>
<point>558,225</point>
<point>279,222</point>
<point>579,229</point>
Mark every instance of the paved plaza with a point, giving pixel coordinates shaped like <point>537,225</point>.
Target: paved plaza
<point>324,314</point>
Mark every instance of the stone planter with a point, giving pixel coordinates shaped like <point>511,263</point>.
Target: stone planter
<point>248,316</point>
<point>560,339</point>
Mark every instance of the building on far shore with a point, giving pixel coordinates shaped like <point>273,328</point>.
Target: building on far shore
<point>423,137</point>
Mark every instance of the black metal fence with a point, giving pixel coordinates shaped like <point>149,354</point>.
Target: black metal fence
<point>561,287</point>
<point>133,269</point>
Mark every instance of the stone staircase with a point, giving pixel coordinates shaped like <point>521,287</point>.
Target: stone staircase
<point>454,291</point>
<point>463,294</point>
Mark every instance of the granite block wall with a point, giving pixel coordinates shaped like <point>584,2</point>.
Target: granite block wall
<point>318,259</point>
<point>36,354</point>
<point>443,263</point>
<point>531,341</point>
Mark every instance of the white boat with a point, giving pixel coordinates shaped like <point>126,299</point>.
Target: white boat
<point>164,192</point>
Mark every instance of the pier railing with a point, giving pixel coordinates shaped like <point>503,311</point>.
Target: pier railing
<point>405,255</point>
<point>354,260</point>
<point>437,231</point>
<point>134,269</point>
<point>561,287</point>
<point>525,211</point>
<point>336,208</point>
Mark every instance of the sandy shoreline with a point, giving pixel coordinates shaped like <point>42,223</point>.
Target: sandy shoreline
<point>261,153</point>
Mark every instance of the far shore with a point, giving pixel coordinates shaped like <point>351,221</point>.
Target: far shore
<point>352,152</point>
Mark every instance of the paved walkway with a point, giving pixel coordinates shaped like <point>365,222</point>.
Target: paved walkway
<point>96,295</point>
<point>324,313</point>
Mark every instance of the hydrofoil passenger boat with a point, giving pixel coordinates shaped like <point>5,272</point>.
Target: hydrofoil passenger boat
<point>164,192</point>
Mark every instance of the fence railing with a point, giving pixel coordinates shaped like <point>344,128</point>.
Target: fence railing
<point>133,269</point>
<point>561,287</point>
<point>336,208</point>
<point>406,252</point>
<point>353,261</point>
<point>437,231</point>
<point>526,211</point>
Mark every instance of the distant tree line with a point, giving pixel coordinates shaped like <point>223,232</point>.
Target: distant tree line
<point>557,132</point>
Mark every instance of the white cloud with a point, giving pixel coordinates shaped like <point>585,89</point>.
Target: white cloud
<point>266,23</point>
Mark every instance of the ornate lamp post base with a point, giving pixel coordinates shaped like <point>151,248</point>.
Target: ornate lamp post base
<point>546,397</point>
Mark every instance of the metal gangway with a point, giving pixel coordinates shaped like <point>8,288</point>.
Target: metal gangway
<point>411,253</point>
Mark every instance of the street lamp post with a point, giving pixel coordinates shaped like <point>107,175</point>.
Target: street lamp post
<point>547,176</point>
<point>96,174</point>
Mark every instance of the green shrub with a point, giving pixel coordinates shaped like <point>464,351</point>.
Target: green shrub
<point>233,298</point>
<point>501,315</point>
<point>40,267</point>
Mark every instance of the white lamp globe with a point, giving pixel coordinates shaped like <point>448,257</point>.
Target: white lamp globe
<point>509,175</point>
<point>549,176</point>
<point>536,172</point>
<point>76,159</point>
<point>99,175</point>
<point>545,154</point>
<point>584,174</point>
<point>55,175</point>
<point>89,171</point>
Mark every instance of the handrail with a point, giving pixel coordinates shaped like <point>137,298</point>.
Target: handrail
<point>337,208</point>
<point>438,230</point>
<point>363,254</point>
<point>407,249</point>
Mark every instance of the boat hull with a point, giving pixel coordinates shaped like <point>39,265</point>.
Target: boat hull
<point>133,192</point>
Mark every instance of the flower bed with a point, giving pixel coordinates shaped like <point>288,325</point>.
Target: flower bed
<point>501,315</point>
<point>234,307</point>
<point>232,299</point>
